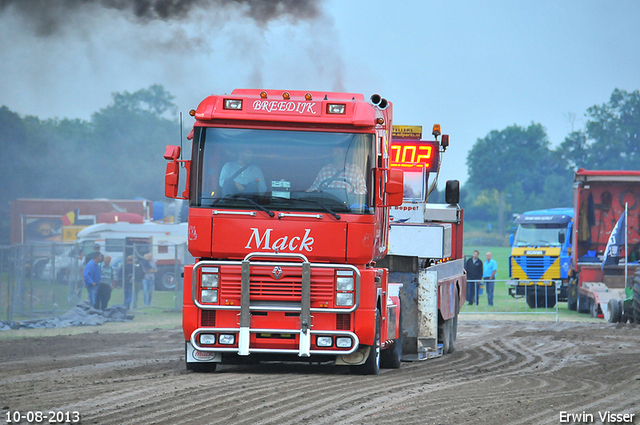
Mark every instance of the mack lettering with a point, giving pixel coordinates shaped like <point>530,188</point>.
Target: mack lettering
<point>294,243</point>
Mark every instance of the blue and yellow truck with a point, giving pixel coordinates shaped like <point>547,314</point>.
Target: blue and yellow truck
<point>540,258</point>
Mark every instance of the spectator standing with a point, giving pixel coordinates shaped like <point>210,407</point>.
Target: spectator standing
<point>90,256</point>
<point>92,278</point>
<point>107,282</point>
<point>474,270</point>
<point>489,275</point>
<point>148,281</point>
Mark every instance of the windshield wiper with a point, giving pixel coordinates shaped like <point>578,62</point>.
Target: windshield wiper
<point>251,201</point>
<point>326,208</point>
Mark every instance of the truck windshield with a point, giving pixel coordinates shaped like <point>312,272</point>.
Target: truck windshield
<point>284,170</point>
<point>538,234</point>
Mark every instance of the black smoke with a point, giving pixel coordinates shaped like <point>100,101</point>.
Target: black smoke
<point>50,16</point>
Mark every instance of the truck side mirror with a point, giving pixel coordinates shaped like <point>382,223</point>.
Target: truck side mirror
<point>452,192</point>
<point>562,236</point>
<point>172,175</point>
<point>511,239</point>
<point>395,188</point>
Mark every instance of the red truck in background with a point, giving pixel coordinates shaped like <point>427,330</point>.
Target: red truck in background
<point>599,201</point>
<point>290,196</point>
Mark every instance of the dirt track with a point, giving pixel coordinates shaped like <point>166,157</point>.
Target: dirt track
<point>502,372</point>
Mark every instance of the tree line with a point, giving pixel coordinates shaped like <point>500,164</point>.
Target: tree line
<point>118,154</point>
<point>516,170</point>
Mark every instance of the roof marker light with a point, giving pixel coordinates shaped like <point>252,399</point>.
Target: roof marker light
<point>286,95</point>
<point>380,121</point>
<point>192,112</point>
<point>308,96</point>
<point>336,108</point>
<point>233,104</point>
<point>263,94</point>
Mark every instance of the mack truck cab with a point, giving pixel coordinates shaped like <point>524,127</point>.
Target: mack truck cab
<point>289,196</point>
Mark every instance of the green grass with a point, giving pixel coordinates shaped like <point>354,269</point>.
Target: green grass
<point>160,314</point>
<point>503,303</point>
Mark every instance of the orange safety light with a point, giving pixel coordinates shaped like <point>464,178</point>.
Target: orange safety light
<point>308,96</point>
<point>436,130</point>
<point>380,121</point>
<point>192,112</point>
<point>263,94</point>
<point>286,95</point>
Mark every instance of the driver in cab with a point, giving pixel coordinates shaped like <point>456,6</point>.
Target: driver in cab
<point>242,176</point>
<point>340,175</point>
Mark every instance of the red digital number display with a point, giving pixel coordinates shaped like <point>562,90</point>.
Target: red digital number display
<point>415,155</point>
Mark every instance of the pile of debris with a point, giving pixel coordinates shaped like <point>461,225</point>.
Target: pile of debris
<point>82,315</point>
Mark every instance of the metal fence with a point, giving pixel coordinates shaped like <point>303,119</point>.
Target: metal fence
<point>511,297</point>
<point>46,280</point>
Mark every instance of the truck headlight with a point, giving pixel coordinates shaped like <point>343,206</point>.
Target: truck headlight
<point>344,299</point>
<point>209,296</point>
<point>324,341</point>
<point>343,342</point>
<point>209,280</point>
<point>227,339</point>
<point>208,339</point>
<point>344,283</point>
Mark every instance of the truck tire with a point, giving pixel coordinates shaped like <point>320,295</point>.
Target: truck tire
<point>636,302</point>
<point>454,329</point>
<point>545,296</point>
<point>372,365</point>
<point>593,308</point>
<point>572,296</point>
<point>202,367</point>
<point>391,358</point>
<point>165,279</point>
<point>532,298</point>
<point>614,313</point>
<point>444,335</point>
<point>583,304</point>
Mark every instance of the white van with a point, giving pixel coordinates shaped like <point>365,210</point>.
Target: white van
<point>167,243</point>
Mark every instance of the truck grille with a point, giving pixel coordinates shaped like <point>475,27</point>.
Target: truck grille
<point>536,267</point>
<point>343,322</point>
<point>208,318</point>
<point>264,287</point>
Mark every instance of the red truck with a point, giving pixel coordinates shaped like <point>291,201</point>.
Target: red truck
<point>599,201</point>
<point>290,196</point>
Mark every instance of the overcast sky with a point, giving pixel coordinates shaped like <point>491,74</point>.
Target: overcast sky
<point>470,66</point>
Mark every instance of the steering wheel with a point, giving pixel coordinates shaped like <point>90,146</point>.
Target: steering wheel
<point>326,182</point>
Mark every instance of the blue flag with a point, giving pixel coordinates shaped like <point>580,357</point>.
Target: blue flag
<point>616,240</point>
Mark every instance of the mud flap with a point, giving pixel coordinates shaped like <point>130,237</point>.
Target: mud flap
<point>358,357</point>
<point>195,356</point>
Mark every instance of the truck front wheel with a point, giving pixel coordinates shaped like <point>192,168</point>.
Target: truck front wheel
<point>391,358</point>
<point>583,304</point>
<point>572,296</point>
<point>614,313</point>
<point>372,365</point>
<point>165,279</point>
